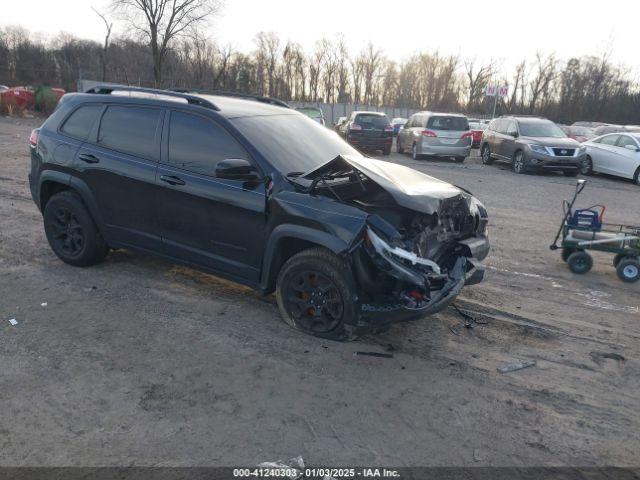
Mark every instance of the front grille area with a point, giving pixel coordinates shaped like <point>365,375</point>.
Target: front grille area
<point>564,152</point>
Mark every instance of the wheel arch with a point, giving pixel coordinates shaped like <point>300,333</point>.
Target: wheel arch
<point>288,240</point>
<point>52,182</point>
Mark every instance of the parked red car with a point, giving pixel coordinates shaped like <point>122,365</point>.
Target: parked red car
<point>578,133</point>
<point>476,133</point>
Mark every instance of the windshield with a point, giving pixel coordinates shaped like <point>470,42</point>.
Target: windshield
<point>311,112</point>
<point>448,123</point>
<point>541,129</point>
<point>292,143</point>
<point>367,120</point>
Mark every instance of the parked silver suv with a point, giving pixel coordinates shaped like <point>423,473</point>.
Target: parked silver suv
<point>439,134</point>
<point>531,144</point>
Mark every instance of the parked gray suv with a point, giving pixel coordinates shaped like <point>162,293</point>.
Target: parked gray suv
<point>531,144</point>
<point>439,134</point>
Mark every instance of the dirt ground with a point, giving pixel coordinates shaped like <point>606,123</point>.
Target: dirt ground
<point>138,361</point>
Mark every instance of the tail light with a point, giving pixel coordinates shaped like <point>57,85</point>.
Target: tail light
<point>33,138</point>
<point>467,135</point>
<point>429,133</point>
<point>388,128</point>
<point>355,126</point>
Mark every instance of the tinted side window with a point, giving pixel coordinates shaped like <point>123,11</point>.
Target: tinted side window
<point>81,121</point>
<point>198,144</point>
<point>130,130</point>
<point>610,139</point>
<point>626,140</point>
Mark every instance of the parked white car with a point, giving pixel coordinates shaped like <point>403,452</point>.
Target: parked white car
<point>614,153</point>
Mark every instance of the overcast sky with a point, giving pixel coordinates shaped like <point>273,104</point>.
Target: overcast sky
<point>506,31</point>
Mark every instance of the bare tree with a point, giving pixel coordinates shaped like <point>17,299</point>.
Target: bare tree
<point>104,57</point>
<point>477,81</point>
<point>161,21</point>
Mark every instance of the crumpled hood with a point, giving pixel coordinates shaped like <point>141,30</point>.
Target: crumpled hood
<point>408,187</point>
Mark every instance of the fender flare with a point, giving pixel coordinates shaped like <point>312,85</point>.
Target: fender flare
<point>77,185</point>
<point>284,231</point>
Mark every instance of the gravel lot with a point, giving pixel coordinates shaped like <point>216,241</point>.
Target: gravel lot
<point>141,361</point>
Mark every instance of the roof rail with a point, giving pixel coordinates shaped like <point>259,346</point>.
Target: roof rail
<point>226,93</point>
<point>191,99</point>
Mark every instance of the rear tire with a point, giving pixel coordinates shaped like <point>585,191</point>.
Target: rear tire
<point>628,270</point>
<point>71,231</point>
<point>399,149</point>
<point>486,155</point>
<point>566,252</point>
<point>386,150</point>
<point>518,162</point>
<point>316,294</point>
<point>580,262</point>
<point>414,152</point>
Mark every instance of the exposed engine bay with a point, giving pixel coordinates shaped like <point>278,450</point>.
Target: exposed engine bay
<point>423,239</point>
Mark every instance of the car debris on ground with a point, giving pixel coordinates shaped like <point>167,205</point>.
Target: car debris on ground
<point>13,321</point>
<point>512,367</point>
<point>375,354</point>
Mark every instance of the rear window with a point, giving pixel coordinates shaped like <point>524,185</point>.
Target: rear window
<point>130,130</point>
<point>81,121</point>
<point>366,120</point>
<point>447,123</point>
<point>584,131</point>
<point>311,112</point>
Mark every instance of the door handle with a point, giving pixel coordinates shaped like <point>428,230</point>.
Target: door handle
<point>88,158</point>
<point>172,180</point>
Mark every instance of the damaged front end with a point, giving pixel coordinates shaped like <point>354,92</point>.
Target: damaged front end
<point>421,242</point>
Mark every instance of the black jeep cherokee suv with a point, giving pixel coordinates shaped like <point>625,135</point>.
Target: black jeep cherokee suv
<point>251,190</point>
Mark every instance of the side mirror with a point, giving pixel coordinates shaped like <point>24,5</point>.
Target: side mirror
<point>515,134</point>
<point>236,169</point>
<point>633,148</point>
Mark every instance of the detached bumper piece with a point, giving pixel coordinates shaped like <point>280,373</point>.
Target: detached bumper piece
<point>420,286</point>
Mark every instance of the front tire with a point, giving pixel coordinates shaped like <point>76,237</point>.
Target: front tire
<point>486,155</point>
<point>636,177</point>
<point>518,162</point>
<point>316,294</point>
<point>586,166</point>
<point>71,231</point>
<point>580,262</point>
<point>414,152</point>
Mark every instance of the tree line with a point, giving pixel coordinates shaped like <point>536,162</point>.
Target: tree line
<point>585,88</point>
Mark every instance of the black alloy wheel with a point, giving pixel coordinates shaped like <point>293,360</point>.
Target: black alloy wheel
<point>68,236</point>
<point>314,301</point>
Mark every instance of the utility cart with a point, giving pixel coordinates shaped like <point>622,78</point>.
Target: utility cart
<point>583,229</point>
